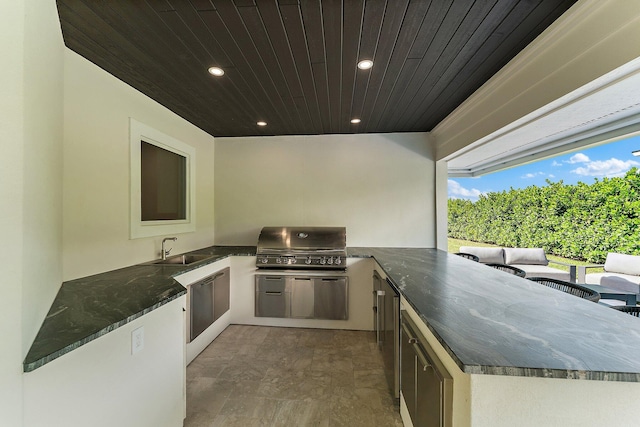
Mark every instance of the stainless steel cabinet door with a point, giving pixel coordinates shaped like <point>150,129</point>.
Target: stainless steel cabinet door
<point>429,390</point>
<point>331,298</point>
<point>426,385</point>
<point>378,306</point>
<point>408,372</point>
<point>302,296</point>
<point>390,338</point>
<point>221,293</point>
<point>200,307</point>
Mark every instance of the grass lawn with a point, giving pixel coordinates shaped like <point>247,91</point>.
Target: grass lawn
<point>454,246</point>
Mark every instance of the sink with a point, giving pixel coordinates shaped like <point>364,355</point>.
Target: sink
<point>180,259</point>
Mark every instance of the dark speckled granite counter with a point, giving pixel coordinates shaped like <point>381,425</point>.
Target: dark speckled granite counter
<point>499,324</point>
<point>488,321</point>
<point>87,308</point>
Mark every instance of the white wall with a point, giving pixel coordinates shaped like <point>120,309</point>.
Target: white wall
<point>30,184</point>
<point>380,186</point>
<point>11,184</point>
<point>102,384</point>
<point>43,95</point>
<point>97,107</point>
<point>505,401</point>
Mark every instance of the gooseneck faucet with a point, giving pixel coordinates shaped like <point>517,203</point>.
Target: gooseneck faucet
<point>164,252</point>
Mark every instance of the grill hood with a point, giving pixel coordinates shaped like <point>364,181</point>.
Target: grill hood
<point>282,240</point>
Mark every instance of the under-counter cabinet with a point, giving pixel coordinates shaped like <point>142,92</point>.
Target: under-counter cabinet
<point>221,284</point>
<point>302,297</point>
<point>427,387</point>
<point>386,309</point>
<point>208,300</point>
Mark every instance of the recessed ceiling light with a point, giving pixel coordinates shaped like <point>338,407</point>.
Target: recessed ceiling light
<point>365,64</point>
<point>216,71</point>
<point>355,121</point>
<point>261,123</point>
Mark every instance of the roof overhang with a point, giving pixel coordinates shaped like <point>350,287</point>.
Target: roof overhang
<point>603,110</point>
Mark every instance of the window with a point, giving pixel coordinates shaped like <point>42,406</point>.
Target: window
<point>163,188</point>
<point>162,183</point>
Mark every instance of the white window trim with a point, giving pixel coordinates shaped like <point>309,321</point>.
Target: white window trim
<point>138,228</point>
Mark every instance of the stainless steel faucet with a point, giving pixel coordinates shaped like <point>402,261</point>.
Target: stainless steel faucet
<point>164,252</point>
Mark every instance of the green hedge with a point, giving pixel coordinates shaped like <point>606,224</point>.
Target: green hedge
<point>582,222</point>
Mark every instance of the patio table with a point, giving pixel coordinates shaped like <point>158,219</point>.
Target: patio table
<point>607,293</point>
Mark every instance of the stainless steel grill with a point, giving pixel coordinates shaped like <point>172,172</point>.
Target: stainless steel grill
<point>310,248</point>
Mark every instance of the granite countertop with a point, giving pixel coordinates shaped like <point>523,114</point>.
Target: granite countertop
<point>87,308</point>
<point>490,322</point>
<point>495,323</point>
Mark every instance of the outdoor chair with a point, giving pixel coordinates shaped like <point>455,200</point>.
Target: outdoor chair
<point>472,257</point>
<point>568,287</point>
<point>621,272</point>
<point>533,261</point>
<point>633,310</point>
<point>509,269</point>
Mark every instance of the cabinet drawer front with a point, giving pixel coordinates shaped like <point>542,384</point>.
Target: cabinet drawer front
<point>271,284</point>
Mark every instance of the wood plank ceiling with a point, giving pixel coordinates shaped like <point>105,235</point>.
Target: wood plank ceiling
<point>292,63</point>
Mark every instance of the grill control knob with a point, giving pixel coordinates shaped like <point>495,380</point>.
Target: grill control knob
<point>338,261</point>
<point>307,261</point>
<point>293,260</point>
<point>279,260</point>
<point>323,260</point>
<point>330,261</point>
<point>264,260</point>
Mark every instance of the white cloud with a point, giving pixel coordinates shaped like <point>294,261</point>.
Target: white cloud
<point>606,168</point>
<point>457,191</point>
<point>532,175</point>
<point>556,163</point>
<point>578,158</point>
<point>551,175</point>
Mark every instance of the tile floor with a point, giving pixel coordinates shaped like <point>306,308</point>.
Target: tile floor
<point>264,376</point>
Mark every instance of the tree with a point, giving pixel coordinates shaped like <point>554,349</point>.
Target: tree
<point>578,221</point>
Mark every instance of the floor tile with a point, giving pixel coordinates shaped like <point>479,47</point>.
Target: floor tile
<point>264,376</point>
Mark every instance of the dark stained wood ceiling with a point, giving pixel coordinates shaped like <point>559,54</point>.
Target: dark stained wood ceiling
<point>292,63</point>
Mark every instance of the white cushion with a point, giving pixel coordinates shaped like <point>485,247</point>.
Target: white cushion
<point>622,282</point>
<point>621,263</point>
<point>612,302</point>
<point>531,256</point>
<point>533,270</point>
<point>485,254</point>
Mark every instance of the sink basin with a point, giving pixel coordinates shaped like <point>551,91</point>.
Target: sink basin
<point>181,259</point>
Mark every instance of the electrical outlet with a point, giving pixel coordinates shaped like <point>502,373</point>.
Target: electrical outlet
<point>137,340</point>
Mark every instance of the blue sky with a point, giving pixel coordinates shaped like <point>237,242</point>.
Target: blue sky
<point>607,160</point>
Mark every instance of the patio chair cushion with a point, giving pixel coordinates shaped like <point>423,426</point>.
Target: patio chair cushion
<point>622,282</point>
<point>485,254</point>
<point>527,256</point>
<point>534,270</point>
<point>621,263</point>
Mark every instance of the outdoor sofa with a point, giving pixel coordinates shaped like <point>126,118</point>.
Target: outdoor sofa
<point>533,261</point>
<point>621,272</point>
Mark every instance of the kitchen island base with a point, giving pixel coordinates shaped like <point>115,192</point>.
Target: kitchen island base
<point>102,384</point>
<point>507,401</point>
<point>243,296</point>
